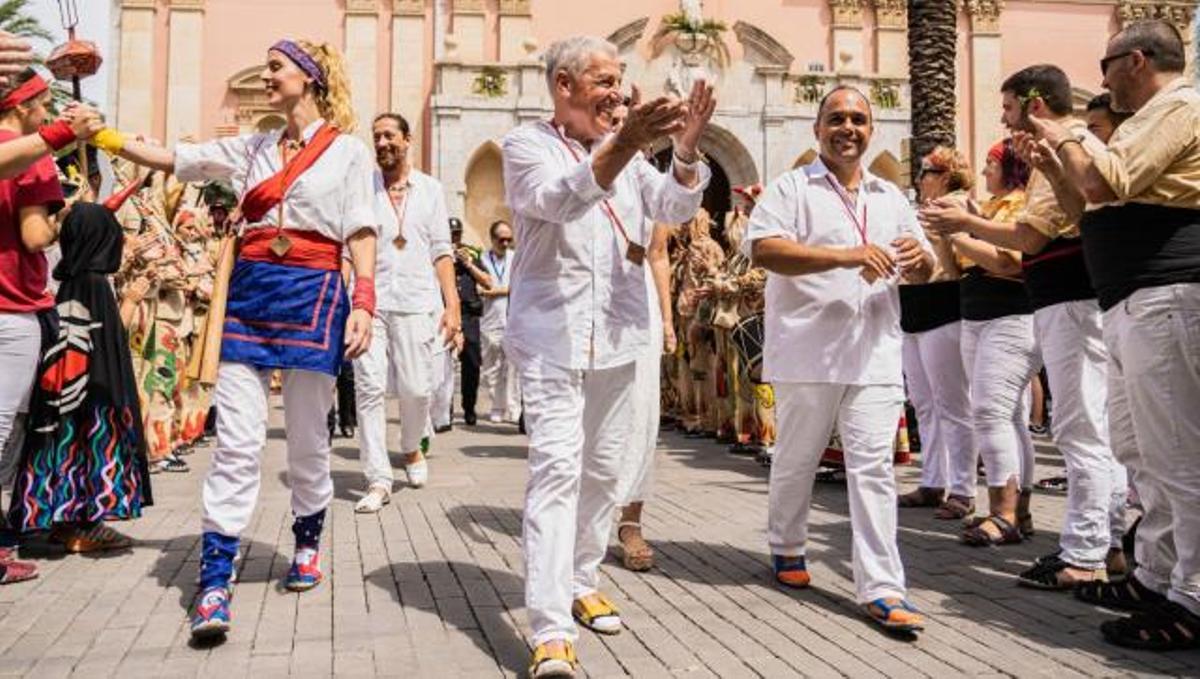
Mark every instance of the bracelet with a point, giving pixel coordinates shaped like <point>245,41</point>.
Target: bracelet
<point>109,140</point>
<point>684,162</point>
<point>1069,140</point>
<point>364,295</point>
<point>57,135</point>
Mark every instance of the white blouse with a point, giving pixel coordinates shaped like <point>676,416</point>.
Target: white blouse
<point>335,197</point>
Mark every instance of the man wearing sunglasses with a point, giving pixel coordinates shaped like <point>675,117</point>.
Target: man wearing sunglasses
<point>1141,238</point>
<point>1067,325</point>
<point>499,375</point>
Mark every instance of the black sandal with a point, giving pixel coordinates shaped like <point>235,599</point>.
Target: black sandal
<point>1044,575</point>
<point>976,536</point>
<point>1166,627</point>
<point>1124,595</point>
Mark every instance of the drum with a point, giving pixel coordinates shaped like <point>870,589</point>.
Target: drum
<point>747,337</point>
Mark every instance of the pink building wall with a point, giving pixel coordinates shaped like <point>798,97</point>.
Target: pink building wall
<point>237,33</point>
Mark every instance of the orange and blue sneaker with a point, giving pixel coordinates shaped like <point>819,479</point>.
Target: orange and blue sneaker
<point>895,614</point>
<point>211,620</point>
<point>305,572</point>
<point>791,571</point>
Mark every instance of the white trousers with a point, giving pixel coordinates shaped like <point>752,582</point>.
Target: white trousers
<point>1153,339</point>
<point>402,346</point>
<point>499,377</point>
<point>241,397</point>
<point>938,388</point>
<point>1072,346</point>
<point>445,367</point>
<point>1000,357</point>
<point>866,419</point>
<point>20,347</point>
<point>637,468</point>
<point>579,422</point>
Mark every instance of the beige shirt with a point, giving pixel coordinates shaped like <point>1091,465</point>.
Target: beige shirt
<point>1154,157</point>
<point>1043,212</point>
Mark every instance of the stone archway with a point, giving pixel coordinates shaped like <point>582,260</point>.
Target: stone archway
<point>726,149</point>
<point>886,166</point>
<point>805,158</point>
<point>484,201</point>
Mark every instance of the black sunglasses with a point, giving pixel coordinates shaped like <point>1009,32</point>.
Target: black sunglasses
<point>504,240</point>
<point>1107,61</point>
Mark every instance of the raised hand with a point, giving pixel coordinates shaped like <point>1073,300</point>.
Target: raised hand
<point>943,217</point>
<point>650,121</point>
<point>84,120</point>
<point>700,107</point>
<point>15,56</point>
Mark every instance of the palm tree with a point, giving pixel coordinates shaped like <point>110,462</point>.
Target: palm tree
<point>932,36</point>
<point>16,19</point>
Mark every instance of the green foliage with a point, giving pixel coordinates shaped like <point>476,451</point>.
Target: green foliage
<point>16,19</point>
<point>712,30</point>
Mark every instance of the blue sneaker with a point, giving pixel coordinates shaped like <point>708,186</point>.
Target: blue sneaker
<point>305,572</point>
<point>211,620</point>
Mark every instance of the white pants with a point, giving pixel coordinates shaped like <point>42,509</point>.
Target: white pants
<point>938,388</point>
<point>1072,345</point>
<point>1153,339</point>
<point>499,377</point>
<point>579,423</point>
<point>866,419</point>
<point>1000,357</point>
<point>231,487</point>
<point>401,344</point>
<point>637,467</point>
<point>20,348</point>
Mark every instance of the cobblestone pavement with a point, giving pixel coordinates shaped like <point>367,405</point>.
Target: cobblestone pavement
<point>431,587</point>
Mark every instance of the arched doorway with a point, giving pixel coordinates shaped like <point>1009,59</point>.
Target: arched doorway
<point>484,200</point>
<point>718,197</point>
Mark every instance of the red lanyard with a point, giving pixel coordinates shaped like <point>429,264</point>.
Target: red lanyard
<point>608,210</point>
<point>848,204</point>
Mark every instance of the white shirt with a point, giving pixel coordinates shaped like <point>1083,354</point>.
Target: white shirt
<point>831,327</point>
<point>334,197</point>
<point>405,280</point>
<point>495,309</point>
<point>577,302</point>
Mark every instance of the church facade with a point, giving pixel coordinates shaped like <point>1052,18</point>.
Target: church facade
<point>464,72</point>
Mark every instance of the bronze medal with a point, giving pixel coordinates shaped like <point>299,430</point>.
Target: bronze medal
<point>280,245</point>
<point>399,242</point>
<point>636,253</point>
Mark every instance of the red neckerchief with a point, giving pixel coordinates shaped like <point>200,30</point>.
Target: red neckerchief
<point>259,200</point>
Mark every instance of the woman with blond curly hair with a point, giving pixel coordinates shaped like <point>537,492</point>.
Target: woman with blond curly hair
<point>306,194</point>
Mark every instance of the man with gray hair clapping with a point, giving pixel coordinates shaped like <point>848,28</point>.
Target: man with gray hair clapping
<point>581,195</point>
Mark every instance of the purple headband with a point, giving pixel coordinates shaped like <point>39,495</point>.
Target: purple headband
<point>301,58</point>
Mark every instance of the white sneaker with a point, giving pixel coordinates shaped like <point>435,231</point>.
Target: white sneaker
<point>496,418</point>
<point>374,500</point>
<point>418,473</point>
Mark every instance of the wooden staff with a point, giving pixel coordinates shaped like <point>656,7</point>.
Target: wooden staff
<point>206,354</point>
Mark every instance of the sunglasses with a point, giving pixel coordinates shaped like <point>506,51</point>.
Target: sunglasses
<point>506,241</point>
<point>1108,61</point>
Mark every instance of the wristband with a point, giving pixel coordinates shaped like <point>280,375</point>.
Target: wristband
<point>364,295</point>
<point>109,140</point>
<point>58,135</point>
<point>683,162</point>
<point>1069,140</point>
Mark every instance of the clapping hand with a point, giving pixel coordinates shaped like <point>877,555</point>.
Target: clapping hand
<point>700,107</point>
<point>15,56</point>
<point>943,217</point>
<point>650,121</point>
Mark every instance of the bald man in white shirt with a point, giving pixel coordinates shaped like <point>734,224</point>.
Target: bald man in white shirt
<point>835,240</point>
<point>579,195</point>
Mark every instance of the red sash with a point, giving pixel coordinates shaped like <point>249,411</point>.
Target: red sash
<point>309,249</point>
<point>259,200</point>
